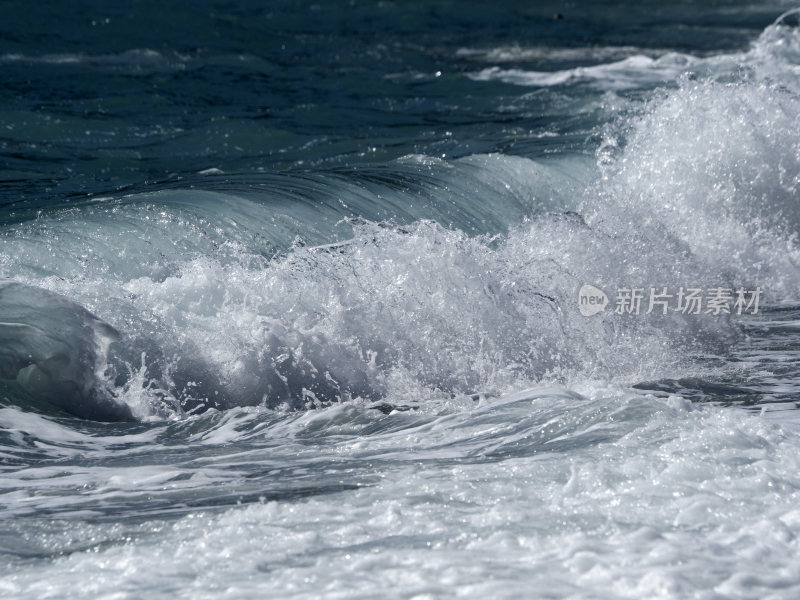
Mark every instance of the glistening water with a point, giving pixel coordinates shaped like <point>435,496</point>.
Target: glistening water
<point>290,300</point>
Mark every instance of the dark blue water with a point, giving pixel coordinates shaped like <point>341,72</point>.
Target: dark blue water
<point>290,299</point>
<point>99,100</point>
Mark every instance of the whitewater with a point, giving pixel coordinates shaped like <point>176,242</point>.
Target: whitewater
<point>291,361</point>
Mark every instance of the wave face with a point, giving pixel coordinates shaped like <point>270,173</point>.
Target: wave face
<point>54,349</point>
<point>357,287</point>
<point>239,310</point>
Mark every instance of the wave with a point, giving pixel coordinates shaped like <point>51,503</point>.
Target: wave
<point>56,350</point>
<point>427,278</point>
<point>775,52</point>
<point>173,309</point>
<point>136,59</point>
<point>633,72</point>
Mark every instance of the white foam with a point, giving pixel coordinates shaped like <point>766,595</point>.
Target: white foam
<point>655,500</point>
<point>775,53</point>
<point>632,72</point>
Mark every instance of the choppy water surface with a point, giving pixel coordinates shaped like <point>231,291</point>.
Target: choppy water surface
<point>289,300</point>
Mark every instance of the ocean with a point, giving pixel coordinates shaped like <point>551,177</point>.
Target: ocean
<point>375,299</point>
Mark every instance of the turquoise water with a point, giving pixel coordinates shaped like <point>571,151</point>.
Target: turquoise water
<point>290,300</point>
